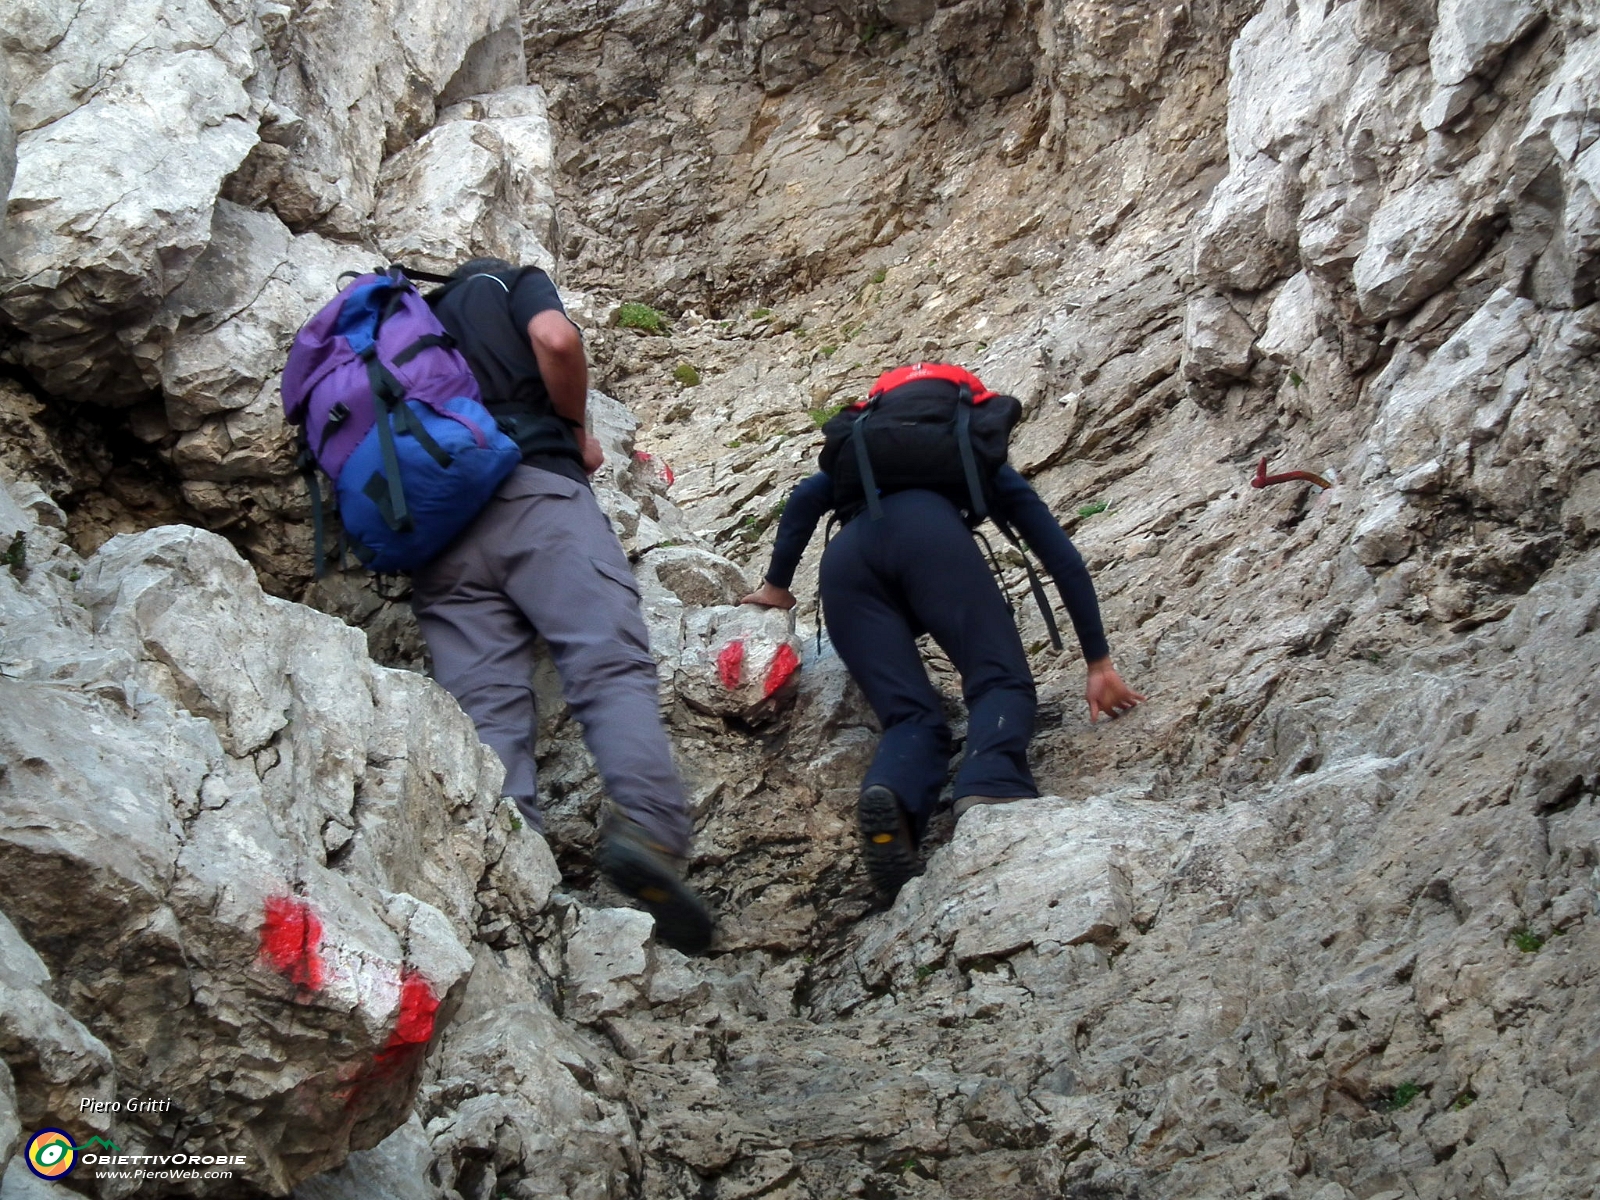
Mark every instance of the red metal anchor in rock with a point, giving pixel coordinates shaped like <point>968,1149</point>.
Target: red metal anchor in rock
<point>1262,479</point>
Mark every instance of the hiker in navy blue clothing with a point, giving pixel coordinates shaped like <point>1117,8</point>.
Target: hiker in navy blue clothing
<point>913,568</point>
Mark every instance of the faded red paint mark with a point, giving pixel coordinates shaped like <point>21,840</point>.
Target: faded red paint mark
<point>730,663</point>
<point>290,938</point>
<point>784,664</point>
<point>665,471</point>
<point>1262,479</point>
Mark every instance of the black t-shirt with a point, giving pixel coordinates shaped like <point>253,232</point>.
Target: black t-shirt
<point>488,317</point>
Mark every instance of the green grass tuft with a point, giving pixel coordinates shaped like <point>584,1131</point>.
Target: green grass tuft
<point>1526,940</point>
<point>760,314</point>
<point>685,374</point>
<point>1402,1095</point>
<point>880,275</point>
<point>16,555</point>
<point>1094,509</point>
<point>642,317</point>
<point>821,416</point>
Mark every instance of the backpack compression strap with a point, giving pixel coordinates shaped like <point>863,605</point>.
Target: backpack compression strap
<point>386,389</point>
<point>307,467</point>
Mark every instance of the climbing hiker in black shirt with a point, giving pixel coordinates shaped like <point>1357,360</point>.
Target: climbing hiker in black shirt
<point>542,560</point>
<point>905,563</point>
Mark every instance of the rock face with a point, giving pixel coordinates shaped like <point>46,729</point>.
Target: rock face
<point>1317,923</point>
<point>191,180</point>
<point>239,911</point>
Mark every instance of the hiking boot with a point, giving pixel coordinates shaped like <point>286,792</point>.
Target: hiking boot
<point>966,802</point>
<point>652,875</point>
<point>887,846</point>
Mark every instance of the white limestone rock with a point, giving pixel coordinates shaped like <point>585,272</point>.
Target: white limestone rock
<point>397,1168</point>
<point>130,116</point>
<point>230,325</point>
<point>1386,534</point>
<point>334,116</point>
<point>1218,344</point>
<point>1247,233</point>
<point>535,1100</point>
<point>1419,240</point>
<point>8,148</point>
<point>1472,34</point>
<point>1291,321</point>
<point>478,184</point>
<point>608,963</point>
<point>1441,409</point>
<point>1043,872</point>
<point>275,954</point>
<point>51,1063</point>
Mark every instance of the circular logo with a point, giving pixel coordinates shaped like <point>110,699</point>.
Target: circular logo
<point>51,1154</point>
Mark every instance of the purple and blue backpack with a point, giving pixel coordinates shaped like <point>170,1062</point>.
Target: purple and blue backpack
<point>389,410</point>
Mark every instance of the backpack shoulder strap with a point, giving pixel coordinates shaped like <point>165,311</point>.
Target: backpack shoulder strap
<point>869,484</point>
<point>969,460</point>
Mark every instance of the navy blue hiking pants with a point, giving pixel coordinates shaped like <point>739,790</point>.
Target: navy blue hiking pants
<point>919,570</point>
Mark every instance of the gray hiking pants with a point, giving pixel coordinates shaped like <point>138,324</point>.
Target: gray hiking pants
<point>542,559</point>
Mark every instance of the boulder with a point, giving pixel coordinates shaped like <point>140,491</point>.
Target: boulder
<point>738,662</point>
<point>476,185</point>
<point>291,975</point>
<point>1218,344</point>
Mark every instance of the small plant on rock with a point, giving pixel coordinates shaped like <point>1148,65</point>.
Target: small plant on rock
<point>1526,940</point>
<point>686,374</point>
<point>821,416</point>
<point>16,555</point>
<point>1402,1095</point>
<point>641,317</point>
<point>1094,509</point>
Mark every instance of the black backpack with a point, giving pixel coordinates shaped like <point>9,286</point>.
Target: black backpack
<point>933,426</point>
<point>929,425</point>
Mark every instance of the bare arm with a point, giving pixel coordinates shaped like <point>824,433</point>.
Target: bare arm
<point>558,349</point>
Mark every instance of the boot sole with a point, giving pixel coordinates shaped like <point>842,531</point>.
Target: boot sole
<point>886,845</point>
<point>682,921</point>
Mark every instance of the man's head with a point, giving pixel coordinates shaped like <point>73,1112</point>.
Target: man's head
<point>481,266</point>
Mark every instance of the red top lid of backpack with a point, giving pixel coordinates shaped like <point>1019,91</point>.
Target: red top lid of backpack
<point>948,372</point>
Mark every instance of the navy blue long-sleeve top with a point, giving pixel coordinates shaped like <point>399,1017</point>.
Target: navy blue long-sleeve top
<point>1015,501</point>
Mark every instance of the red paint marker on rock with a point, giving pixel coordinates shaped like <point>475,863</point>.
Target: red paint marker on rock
<point>291,940</point>
<point>784,664</point>
<point>730,664</point>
